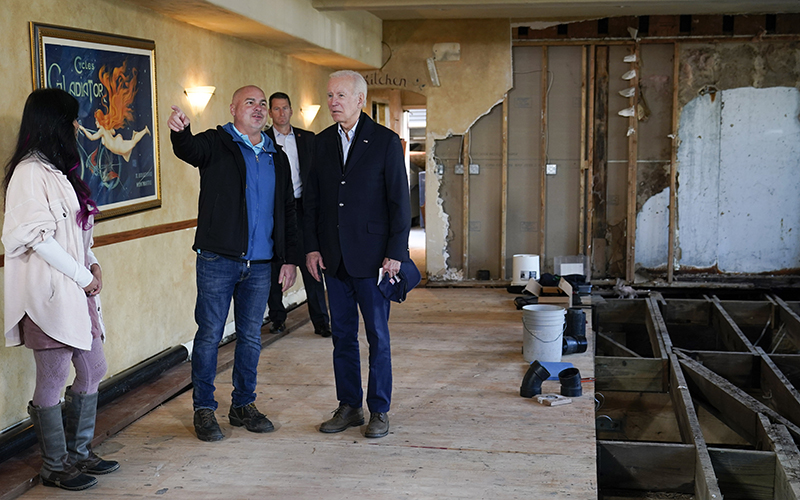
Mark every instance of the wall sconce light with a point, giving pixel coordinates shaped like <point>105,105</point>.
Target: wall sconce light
<point>309,113</point>
<point>199,96</point>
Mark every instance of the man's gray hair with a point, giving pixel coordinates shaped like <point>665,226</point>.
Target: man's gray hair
<point>359,84</point>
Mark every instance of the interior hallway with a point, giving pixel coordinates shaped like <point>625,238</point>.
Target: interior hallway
<point>458,426</point>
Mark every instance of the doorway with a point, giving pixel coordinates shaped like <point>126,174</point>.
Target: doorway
<point>405,113</point>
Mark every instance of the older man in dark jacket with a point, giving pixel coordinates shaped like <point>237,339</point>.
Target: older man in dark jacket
<point>356,229</point>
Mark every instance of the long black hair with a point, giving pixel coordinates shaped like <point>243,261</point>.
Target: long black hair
<point>48,129</point>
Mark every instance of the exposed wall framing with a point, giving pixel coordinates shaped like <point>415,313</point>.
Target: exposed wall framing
<point>543,155</point>
<point>698,396</point>
<point>626,170</point>
<point>465,166</point>
<point>673,165</point>
<point>504,192</point>
<point>633,157</point>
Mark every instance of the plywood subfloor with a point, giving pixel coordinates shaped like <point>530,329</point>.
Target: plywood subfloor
<point>458,426</point>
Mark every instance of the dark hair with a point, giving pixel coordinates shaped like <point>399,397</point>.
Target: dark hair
<point>47,129</point>
<point>279,95</point>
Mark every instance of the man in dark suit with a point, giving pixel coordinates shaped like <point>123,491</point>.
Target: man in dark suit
<point>357,220</point>
<point>298,144</point>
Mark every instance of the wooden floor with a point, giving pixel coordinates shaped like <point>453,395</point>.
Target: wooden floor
<point>458,426</point>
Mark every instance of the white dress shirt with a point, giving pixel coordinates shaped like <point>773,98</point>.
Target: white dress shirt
<point>289,144</point>
<point>347,140</point>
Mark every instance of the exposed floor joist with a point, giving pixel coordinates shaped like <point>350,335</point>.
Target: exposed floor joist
<point>723,383</point>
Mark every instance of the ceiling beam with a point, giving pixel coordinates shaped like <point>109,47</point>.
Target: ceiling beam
<point>543,10</point>
<point>341,40</point>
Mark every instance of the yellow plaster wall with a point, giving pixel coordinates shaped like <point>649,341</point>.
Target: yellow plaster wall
<point>470,87</point>
<point>149,289</point>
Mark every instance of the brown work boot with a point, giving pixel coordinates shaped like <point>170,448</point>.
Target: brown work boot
<point>249,417</point>
<point>206,426</point>
<point>378,425</point>
<point>343,417</point>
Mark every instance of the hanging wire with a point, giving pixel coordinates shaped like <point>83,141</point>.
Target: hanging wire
<point>551,78</point>
<point>769,320</point>
<point>782,332</point>
<point>388,58</point>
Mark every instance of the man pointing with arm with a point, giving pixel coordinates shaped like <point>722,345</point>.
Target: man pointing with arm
<point>246,220</point>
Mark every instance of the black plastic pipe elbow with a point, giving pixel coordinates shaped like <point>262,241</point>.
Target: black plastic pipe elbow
<point>572,345</point>
<point>532,381</point>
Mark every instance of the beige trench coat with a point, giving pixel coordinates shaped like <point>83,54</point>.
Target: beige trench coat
<point>40,203</point>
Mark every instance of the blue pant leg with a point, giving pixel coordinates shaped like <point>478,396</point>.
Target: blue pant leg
<point>249,303</point>
<point>344,327</point>
<point>216,279</point>
<point>375,311</point>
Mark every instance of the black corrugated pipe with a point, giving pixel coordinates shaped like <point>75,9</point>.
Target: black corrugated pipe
<point>21,436</point>
<point>570,382</point>
<point>532,381</point>
<point>137,375</point>
<point>576,322</point>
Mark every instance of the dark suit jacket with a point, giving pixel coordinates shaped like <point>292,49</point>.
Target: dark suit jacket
<point>305,151</point>
<point>358,214</point>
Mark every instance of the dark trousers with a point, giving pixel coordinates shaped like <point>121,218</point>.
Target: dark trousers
<point>315,290</point>
<point>347,295</point>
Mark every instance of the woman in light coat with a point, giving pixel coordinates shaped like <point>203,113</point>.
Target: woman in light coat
<point>52,282</point>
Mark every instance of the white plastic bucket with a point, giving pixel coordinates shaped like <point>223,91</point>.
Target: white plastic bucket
<point>525,267</point>
<point>542,330</point>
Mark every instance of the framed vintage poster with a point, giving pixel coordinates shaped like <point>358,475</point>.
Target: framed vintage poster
<point>114,79</point>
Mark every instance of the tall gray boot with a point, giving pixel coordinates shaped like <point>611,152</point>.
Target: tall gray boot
<point>56,470</point>
<point>81,410</point>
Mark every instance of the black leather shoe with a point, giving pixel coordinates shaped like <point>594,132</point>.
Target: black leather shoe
<point>95,465</point>
<point>206,426</point>
<point>249,417</point>
<point>71,479</point>
<point>343,417</point>
<point>378,425</point>
<point>277,327</point>
<point>324,331</point>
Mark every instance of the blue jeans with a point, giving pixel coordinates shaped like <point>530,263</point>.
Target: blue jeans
<point>346,297</point>
<point>218,281</point>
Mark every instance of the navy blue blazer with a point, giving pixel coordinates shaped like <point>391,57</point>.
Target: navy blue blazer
<point>305,151</point>
<point>358,213</point>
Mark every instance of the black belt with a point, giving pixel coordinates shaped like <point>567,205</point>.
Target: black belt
<point>246,261</point>
<point>239,259</point>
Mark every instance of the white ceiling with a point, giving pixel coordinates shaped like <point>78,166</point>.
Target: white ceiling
<point>549,10</point>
